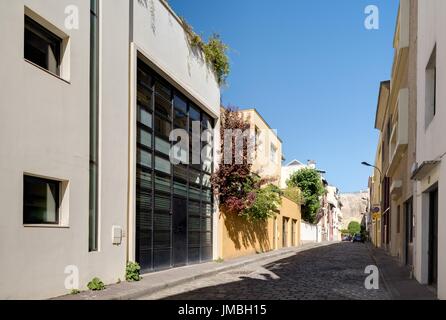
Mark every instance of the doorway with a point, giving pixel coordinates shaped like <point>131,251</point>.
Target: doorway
<point>293,232</point>
<point>409,218</point>
<point>433,237</point>
<point>275,231</point>
<point>285,232</point>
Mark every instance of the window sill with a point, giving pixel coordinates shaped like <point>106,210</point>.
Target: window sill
<point>49,226</point>
<point>46,71</point>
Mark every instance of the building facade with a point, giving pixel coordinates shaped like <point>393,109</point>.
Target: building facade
<point>395,158</point>
<point>91,91</point>
<point>411,187</point>
<point>429,174</point>
<point>240,237</point>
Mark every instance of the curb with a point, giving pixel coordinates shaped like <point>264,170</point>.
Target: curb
<point>143,292</point>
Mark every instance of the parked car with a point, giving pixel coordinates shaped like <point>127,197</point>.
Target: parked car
<point>347,238</point>
<point>358,238</point>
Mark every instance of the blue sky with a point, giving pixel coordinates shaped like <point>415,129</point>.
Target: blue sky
<point>311,69</point>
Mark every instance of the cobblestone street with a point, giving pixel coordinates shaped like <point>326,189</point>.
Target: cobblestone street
<point>330,272</point>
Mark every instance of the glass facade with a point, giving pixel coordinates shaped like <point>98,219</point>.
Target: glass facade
<point>174,203</point>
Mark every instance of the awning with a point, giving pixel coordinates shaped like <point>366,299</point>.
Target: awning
<point>422,171</point>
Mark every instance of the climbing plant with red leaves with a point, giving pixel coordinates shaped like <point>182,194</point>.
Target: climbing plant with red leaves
<point>233,183</point>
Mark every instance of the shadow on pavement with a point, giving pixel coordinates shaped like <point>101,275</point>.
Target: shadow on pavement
<point>331,272</point>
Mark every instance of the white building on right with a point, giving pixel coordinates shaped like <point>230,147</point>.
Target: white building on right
<point>430,172</point>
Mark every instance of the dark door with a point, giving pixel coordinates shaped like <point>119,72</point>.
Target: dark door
<point>285,233</point>
<point>179,224</point>
<point>409,232</point>
<point>293,233</point>
<point>433,237</point>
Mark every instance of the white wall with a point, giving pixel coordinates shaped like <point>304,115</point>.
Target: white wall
<point>287,172</point>
<point>430,142</point>
<point>161,38</point>
<point>309,233</point>
<point>44,130</point>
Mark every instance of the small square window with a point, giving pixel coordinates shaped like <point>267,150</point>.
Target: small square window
<point>42,47</point>
<point>40,201</point>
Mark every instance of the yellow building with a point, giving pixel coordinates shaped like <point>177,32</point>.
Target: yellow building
<point>395,158</point>
<point>239,237</point>
<point>268,146</point>
<point>375,198</point>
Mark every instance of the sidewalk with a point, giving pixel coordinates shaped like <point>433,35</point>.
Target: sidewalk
<point>396,278</point>
<point>156,281</point>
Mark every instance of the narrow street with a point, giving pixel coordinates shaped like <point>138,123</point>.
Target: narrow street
<point>330,272</point>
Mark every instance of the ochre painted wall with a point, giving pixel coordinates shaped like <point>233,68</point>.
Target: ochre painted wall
<point>238,237</point>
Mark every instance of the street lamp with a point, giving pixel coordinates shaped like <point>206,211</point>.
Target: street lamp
<point>381,177</point>
<point>370,165</point>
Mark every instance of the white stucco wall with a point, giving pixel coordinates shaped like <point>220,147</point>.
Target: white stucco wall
<point>430,142</point>
<point>309,233</point>
<point>287,172</point>
<point>44,130</point>
<point>161,38</point>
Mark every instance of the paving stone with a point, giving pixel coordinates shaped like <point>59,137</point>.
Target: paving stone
<point>330,272</point>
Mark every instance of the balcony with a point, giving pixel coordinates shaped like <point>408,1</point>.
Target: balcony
<point>399,138</point>
<point>401,41</point>
<point>396,189</point>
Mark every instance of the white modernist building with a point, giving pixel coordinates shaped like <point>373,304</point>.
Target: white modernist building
<point>88,93</point>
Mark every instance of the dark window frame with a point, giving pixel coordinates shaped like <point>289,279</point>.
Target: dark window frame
<point>35,29</point>
<point>57,195</point>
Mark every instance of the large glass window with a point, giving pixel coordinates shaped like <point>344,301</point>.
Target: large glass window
<point>40,201</point>
<point>164,238</point>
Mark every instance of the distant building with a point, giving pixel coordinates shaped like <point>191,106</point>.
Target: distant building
<point>294,166</point>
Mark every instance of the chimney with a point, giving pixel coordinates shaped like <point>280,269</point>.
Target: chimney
<point>311,164</point>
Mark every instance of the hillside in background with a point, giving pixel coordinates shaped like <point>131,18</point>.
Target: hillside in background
<point>354,205</point>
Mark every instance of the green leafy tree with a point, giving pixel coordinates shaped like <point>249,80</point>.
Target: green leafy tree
<point>294,194</point>
<point>266,204</point>
<point>354,228</point>
<point>310,183</point>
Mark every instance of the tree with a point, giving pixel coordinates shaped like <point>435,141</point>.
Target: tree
<point>354,228</point>
<point>266,204</point>
<point>310,183</point>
